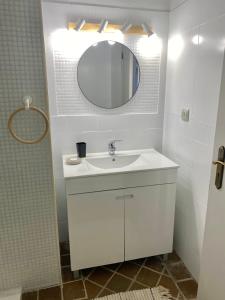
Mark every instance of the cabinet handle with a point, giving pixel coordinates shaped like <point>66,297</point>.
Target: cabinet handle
<point>129,196</point>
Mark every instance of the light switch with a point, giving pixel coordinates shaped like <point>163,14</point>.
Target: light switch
<point>185,115</point>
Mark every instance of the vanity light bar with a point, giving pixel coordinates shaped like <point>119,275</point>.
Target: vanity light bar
<point>103,26</point>
<point>147,29</point>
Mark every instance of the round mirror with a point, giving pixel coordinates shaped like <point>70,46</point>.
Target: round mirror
<point>108,74</point>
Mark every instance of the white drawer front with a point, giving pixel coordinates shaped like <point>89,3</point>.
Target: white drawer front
<point>120,181</point>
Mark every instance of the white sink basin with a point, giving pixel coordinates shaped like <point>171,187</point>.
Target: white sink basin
<point>108,162</point>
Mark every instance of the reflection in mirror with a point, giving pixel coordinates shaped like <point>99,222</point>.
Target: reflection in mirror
<point>108,74</point>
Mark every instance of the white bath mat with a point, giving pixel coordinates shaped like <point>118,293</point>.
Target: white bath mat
<point>157,293</point>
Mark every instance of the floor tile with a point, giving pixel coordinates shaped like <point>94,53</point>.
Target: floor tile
<point>129,269</point>
<point>137,286</point>
<point>65,260</point>
<point>29,296</point>
<point>93,280</point>
<point>100,276</point>
<point>53,293</point>
<point>173,258</point>
<point>105,292</point>
<point>179,271</point>
<point>92,289</point>
<point>148,277</point>
<point>139,261</point>
<point>189,288</point>
<point>113,267</point>
<point>64,248</point>
<point>165,272</point>
<point>74,290</point>
<point>170,285</point>
<point>154,263</point>
<point>67,274</point>
<point>118,283</point>
<point>86,272</point>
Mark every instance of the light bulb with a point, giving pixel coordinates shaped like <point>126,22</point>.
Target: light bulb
<point>111,42</point>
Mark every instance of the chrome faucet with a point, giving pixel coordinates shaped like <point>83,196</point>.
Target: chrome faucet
<point>112,147</point>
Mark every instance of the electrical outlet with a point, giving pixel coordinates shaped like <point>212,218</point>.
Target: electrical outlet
<point>185,115</point>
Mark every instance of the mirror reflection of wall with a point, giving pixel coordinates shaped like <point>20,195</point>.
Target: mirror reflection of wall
<point>108,74</point>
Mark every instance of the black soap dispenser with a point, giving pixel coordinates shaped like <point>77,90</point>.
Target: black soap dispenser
<point>81,149</point>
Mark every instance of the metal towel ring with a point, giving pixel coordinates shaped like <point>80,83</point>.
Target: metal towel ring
<point>27,106</point>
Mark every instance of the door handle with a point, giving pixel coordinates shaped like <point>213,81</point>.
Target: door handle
<point>130,196</point>
<point>217,162</point>
<point>220,163</point>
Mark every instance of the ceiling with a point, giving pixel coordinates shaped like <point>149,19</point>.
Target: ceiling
<point>161,5</point>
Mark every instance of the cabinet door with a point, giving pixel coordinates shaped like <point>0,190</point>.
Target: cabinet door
<point>96,229</point>
<point>149,221</point>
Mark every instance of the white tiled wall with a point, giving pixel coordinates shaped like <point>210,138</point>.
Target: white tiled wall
<point>29,250</point>
<point>175,3</point>
<point>139,123</point>
<point>193,81</point>
<point>69,98</point>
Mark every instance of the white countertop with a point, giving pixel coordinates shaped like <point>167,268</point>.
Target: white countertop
<point>149,159</point>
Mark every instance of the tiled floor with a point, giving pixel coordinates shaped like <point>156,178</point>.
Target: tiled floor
<point>110,279</point>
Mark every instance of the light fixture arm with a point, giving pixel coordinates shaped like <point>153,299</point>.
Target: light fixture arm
<point>103,26</point>
<point>125,27</point>
<point>80,25</point>
<point>147,29</point>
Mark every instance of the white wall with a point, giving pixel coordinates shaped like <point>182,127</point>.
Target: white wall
<point>175,3</point>
<point>161,5</point>
<point>137,129</point>
<point>193,81</point>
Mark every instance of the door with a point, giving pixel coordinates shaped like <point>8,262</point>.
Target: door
<point>149,220</point>
<point>212,272</point>
<point>96,229</point>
